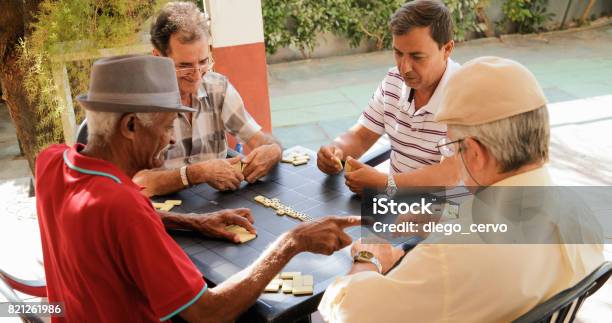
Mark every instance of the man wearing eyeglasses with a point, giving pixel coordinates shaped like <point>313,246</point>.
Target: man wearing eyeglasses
<point>499,130</point>
<point>403,107</point>
<point>180,32</point>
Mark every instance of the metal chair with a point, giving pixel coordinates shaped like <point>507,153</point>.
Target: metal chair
<point>81,136</point>
<point>36,288</point>
<point>8,292</point>
<point>563,307</point>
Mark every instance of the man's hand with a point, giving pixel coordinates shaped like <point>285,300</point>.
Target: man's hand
<point>362,176</point>
<point>382,250</point>
<point>260,161</point>
<point>328,159</point>
<point>324,236</point>
<point>218,173</point>
<point>213,224</point>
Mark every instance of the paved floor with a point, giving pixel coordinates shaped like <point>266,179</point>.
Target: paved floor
<point>313,101</point>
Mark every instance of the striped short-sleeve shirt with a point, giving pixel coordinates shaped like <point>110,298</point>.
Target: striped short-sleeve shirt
<point>414,135</point>
<point>219,110</point>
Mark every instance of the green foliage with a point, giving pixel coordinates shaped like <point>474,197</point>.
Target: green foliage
<point>528,15</point>
<point>298,22</point>
<point>360,20</point>
<point>465,16</point>
<point>74,26</point>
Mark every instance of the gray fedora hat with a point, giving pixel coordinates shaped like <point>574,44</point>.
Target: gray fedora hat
<point>133,83</point>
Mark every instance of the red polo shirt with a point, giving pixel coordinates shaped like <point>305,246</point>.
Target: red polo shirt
<point>107,256</point>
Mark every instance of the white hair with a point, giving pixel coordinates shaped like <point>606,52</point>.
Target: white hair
<point>101,125</point>
<point>514,142</point>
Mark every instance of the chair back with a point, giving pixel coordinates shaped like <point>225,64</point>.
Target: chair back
<point>81,136</point>
<point>562,308</point>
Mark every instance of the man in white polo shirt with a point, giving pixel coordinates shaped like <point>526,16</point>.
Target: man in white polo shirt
<point>403,107</point>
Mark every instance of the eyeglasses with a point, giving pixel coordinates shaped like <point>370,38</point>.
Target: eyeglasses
<point>447,147</point>
<point>201,69</point>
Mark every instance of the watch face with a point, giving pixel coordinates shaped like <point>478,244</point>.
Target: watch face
<point>365,255</point>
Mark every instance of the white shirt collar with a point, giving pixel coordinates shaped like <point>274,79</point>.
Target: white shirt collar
<point>434,101</point>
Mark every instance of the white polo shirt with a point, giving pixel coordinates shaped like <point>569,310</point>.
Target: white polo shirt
<point>414,135</point>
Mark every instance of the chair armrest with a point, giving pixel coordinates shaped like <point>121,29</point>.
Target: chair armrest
<point>7,292</point>
<point>37,287</point>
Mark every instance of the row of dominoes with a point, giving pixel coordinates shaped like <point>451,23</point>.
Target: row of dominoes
<point>291,283</point>
<point>281,209</point>
<point>168,205</point>
<point>296,158</point>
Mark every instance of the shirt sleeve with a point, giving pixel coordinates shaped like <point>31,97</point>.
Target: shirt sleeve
<point>415,290</point>
<point>155,263</point>
<point>373,115</point>
<point>236,119</point>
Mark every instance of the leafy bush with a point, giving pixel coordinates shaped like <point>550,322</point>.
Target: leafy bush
<point>298,22</point>
<point>528,15</point>
<point>360,20</point>
<point>465,16</point>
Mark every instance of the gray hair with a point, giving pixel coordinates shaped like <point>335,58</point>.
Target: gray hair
<point>514,142</point>
<point>182,18</point>
<point>101,125</point>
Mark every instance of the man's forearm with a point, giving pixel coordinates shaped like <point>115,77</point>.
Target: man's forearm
<point>159,182</point>
<point>261,138</point>
<point>162,182</point>
<point>240,291</point>
<point>442,174</point>
<point>351,144</point>
<point>176,221</point>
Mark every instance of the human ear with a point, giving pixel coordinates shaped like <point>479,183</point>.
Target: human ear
<point>474,154</point>
<point>127,125</point>
<point>448,49</point>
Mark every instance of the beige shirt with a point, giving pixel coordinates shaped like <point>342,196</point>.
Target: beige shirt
<point>463,282</point>
<point>219,110</point>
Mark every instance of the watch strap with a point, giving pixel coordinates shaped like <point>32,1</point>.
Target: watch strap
<point>373,260</point>
<point>184,179</point>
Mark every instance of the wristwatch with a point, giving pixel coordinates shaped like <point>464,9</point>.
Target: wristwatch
<point>366,256</point>
<point>391,187</point>
<point>184,179</point>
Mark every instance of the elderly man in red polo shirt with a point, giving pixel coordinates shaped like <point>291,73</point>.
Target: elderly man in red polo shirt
<point>107,255</point>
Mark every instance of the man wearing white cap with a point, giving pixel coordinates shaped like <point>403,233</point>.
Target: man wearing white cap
<point>403,107</point>
<point>107,255</point>
<point>498,130</point>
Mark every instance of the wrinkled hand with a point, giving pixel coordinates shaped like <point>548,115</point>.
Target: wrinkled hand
<point>325,235</point>
<point>213,224</point>
<point>260,161</point>
<point>220,174</point>
<point>382,250</point>
<point>328,159</point>
<point>362,176</point>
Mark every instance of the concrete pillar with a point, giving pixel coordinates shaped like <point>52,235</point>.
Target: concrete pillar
<point>239,52</point>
